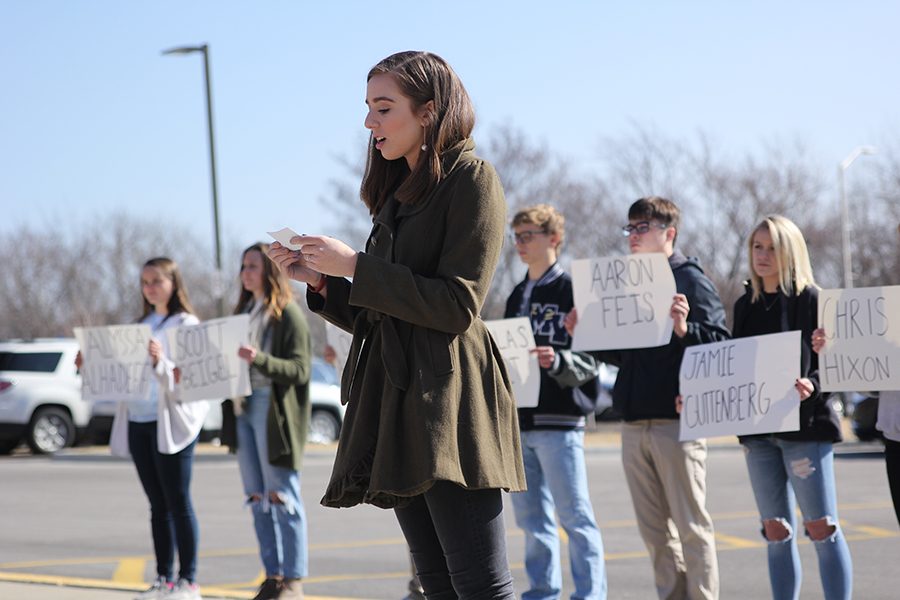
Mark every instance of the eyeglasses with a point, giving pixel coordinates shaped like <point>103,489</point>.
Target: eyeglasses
<point>641,228</point>
<point>524,237</point>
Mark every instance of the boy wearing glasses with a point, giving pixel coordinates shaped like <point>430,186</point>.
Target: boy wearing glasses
<point>667,478</point>
<point>552,433</point>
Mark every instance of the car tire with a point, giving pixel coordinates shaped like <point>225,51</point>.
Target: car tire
<point>51,429</point>
<point>7,446</point>
<point>324,427</point>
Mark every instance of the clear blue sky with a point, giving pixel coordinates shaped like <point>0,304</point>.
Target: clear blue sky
<point>93,118</point>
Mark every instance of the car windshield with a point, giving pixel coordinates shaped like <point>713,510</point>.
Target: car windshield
<point>324,373</point>
<point>37,362</point>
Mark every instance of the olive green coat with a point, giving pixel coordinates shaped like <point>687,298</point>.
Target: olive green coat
<point>427,393</point>
<point>289,368</point>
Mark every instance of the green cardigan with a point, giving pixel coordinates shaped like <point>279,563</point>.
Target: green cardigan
<point>289,367</point>
<point>428,398</point>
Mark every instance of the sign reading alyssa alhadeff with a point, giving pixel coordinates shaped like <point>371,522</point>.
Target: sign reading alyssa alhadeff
<point>741,387</point>
<point>623,302</point>
<point>862,339</point>
<point>207,356</point>
<point>115,362</point>
<point>516,341</point>
<point>340,341</point>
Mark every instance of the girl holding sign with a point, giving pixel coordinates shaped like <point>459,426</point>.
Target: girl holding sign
<point>794,467</point>
<point>160,434</point>
<point>431,428</point>
<point>271,424</point>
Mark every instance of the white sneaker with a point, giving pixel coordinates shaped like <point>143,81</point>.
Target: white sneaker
<point>158,590</point>
<point>184,590</point>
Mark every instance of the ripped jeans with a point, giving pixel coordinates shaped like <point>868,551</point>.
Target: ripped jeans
<point>783,474</point>
<point>280,526</point>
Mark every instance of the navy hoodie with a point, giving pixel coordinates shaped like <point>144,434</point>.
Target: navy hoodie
<point>647,383</point>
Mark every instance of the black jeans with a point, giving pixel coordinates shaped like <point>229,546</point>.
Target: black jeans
<point>167,482</point>
<point>892,463</point>
<point>458,542</point>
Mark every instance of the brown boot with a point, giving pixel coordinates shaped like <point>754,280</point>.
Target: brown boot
<point>269,589</point>
<point>291,589</point>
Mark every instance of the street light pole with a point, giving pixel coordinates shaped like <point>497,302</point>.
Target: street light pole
<point>845,212</point>
<point>204,49</point>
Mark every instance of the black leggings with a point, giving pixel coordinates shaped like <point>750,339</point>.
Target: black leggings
<point>892,462</point>
<point>167,482</point>
<point>458,543</point>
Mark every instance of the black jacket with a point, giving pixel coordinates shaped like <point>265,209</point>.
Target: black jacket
<point>647,383</point>
<point>818,421</point>
<point>549,302</point>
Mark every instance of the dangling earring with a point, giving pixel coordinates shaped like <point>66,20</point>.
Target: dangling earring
<point>424,145</point>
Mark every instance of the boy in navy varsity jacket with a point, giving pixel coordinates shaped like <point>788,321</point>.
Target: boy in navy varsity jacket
<point>552,433</point>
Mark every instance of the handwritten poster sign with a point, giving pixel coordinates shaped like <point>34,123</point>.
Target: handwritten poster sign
<point>622,302</point>
<point>862,339</point>
<point>341,341</point>
<point>207,355</point>
<point>741,386</point>
<point>516,340</point>
<point>116,362</point>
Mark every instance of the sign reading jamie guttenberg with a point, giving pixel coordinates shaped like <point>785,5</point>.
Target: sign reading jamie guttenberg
<point>516,341</point>
<point>622,302</point>
<point>741,387</point>
<point>207,356</point>
<point>115,362</point>
<point>862,339</point>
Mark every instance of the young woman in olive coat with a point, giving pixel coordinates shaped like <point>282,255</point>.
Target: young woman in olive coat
<point>431,427</point>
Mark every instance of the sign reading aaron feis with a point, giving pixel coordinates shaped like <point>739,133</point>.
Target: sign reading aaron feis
<point>622,302</point>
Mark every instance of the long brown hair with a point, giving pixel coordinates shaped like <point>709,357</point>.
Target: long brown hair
<point>276,286</point>
<point>422,77</point>
<point>178,301</point>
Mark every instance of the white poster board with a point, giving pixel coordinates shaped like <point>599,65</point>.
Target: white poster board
<point>207,355</point>
<point>516,341</point>
<point>116,362</point>
<point>741,386</point>
<point>862,339</point>
<point>623,302</point>
<point>340,341</point>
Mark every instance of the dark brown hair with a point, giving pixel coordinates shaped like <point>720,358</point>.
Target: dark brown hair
<point>655,208</point>
<point>422,77</point>
<point>277,288</point>
<point>179,301</point>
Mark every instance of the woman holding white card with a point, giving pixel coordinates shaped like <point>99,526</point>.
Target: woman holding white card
<point>794,467</point>
<point>431,428</point>
<point>268,428</point>
<point>160,434</point>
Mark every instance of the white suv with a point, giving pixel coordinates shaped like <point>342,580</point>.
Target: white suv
<point>40,395</point>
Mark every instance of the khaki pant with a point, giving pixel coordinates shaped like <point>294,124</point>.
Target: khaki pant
<point>667,480</point>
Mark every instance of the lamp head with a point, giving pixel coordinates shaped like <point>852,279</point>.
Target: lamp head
<point>181,50</point>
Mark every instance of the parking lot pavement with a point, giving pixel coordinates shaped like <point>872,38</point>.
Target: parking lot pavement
<point>79,521</point>
<point>38,591</point>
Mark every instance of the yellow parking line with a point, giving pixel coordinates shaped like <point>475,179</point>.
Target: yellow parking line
<point>105,584</point>
<point>130,570</point>
<point>734,542</point>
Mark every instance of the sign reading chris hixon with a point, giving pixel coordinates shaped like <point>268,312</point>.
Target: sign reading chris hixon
<point>862,333</point>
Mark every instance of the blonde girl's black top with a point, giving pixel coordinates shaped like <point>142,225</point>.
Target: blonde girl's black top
<point>774,313</point>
